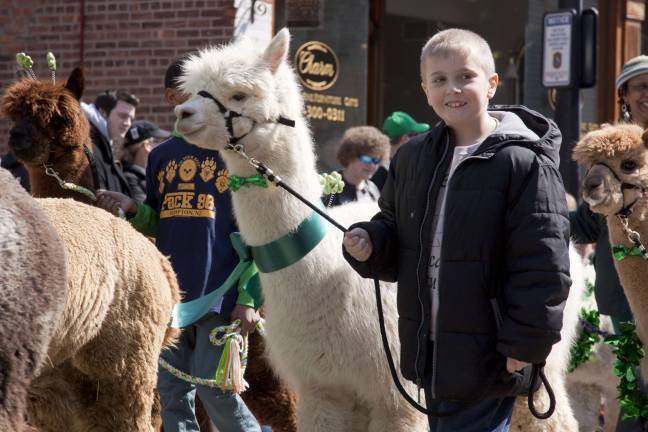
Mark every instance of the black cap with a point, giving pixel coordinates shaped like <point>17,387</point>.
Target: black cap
<point>143,130</point>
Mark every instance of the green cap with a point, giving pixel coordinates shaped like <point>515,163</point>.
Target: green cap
<point>399,123</point>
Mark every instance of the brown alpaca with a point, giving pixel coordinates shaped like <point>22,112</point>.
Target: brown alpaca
<point>32,296</point>
<point>616,154</point>
<point>49,129</point>
<point>102,366</point>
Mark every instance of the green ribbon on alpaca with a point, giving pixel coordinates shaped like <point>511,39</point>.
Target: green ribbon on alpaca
<point>621,252</point>
<point>237,182</point>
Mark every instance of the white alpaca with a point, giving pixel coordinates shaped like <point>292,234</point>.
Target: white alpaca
<point>321,325</point>
<point>594,383</point>
<point>563,419</point>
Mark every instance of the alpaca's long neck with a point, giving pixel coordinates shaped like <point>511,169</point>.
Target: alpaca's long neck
<point>75,168</point>
<point>633,271</point>
<point>265,214</point>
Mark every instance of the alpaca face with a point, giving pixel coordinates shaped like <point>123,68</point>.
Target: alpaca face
<point>245,82</point>
<point>613,155</point>
<point>48,123</point>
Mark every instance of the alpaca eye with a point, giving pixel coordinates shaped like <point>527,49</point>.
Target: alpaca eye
<point>239,97</point>
<point>628,165</point>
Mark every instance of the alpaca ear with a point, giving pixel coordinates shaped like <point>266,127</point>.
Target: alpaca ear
<point>277,51</point>
<point>76,82</point>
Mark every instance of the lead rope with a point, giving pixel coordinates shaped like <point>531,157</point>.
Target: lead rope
<point>537,369</point>
<point>76,188</point>
<point>230,372</point>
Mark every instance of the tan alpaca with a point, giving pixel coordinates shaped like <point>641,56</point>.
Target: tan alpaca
<point>612,155</point>
<point>32,295</point>
<point>102,364</point>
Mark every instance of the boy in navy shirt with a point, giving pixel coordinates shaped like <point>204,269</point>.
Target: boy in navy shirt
<point>189,212</point>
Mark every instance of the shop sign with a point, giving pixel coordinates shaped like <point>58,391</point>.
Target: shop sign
<point>317,65</point>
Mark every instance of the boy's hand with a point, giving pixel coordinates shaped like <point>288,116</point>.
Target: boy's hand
<point>248,316</point>
<point>112,201</point>
<point>513,365</point>
<point>358,244</point>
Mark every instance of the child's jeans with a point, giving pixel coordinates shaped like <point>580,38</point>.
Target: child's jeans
<point>196,355</point>
<point>490,415</point>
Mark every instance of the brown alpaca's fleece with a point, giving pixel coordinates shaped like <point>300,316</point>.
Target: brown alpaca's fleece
<point>612,145</point>
<point>41,101</point>
<point>105,349</point>
<point>32,295</point>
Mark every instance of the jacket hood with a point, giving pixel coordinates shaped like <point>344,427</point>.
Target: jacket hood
<point>96,118</point>
<point>524,127</point>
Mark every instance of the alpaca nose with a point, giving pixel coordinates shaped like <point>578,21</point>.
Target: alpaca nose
<point>592,183</point>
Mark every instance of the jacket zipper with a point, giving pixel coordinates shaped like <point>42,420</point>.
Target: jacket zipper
<point>419,381</point>
<point>485,155</point>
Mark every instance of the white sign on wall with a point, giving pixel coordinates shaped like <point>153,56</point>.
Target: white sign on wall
<point>556,66</point>
<point>254,19</point>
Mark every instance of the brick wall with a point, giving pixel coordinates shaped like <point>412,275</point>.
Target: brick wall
<point>127,43</point>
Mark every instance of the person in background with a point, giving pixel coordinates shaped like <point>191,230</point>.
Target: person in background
<point>399,127</point>
<point>361,151</point>
<point>110,116</point>
<point>588,227</point>
<point>188,210</point>
<point>133,153</point>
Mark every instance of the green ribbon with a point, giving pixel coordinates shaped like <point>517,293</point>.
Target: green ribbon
<point>189,312</point>
<point>292,247</point>
<point>620,252</point>
<point>237,182</point>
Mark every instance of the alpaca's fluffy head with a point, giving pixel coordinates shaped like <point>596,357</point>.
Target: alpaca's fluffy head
<point>258,84</point>
<point>47,118</point>
<point>613,155</point>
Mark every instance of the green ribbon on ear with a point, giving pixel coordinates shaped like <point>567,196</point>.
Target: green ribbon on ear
<point>237,182</point>
<point>621,252</point>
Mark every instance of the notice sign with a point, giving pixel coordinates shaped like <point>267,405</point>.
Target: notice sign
<point>556,66</point>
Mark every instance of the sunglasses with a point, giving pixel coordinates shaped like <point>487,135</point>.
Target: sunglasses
<point>367,160</point>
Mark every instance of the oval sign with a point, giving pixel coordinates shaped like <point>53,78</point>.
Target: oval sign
<point>317,65</point>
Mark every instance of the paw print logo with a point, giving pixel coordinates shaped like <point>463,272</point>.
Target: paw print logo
<point>222,183</point>
<point>188,169</point>
<point>207,168</point>
<point>160,179</point>
<point>171,169</point>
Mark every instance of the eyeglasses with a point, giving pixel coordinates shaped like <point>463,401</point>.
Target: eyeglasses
<point>367,160</point>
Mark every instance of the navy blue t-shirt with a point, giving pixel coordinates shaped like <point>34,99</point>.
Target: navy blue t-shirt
<point>188,187</point>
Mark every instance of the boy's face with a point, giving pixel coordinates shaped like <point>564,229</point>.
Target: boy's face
<point>457,88</point>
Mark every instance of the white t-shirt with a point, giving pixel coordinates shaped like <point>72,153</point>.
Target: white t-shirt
<point>460,153</point>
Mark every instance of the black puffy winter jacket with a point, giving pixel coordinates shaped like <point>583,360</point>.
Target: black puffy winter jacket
<point>506,234</point>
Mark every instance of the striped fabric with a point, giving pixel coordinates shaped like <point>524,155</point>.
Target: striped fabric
<point>635,66</point>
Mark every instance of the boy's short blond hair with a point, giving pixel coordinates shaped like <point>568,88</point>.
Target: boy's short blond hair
<point>459,41</point>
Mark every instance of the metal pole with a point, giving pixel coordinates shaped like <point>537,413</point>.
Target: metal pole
<point>568,108</point>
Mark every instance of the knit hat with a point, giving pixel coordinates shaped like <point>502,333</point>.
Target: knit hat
<point>634,67</point>
<point>399,123</point>
<point>143,130</point>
